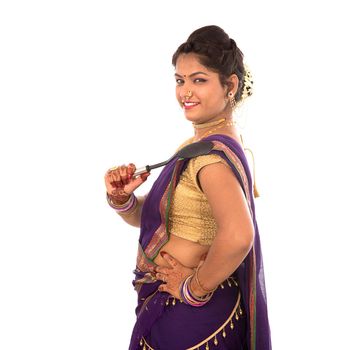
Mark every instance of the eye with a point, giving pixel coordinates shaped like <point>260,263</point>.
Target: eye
<point>179,81</point>
<point>199,80</point>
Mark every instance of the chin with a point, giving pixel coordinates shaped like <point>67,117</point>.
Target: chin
<point>192,118</point>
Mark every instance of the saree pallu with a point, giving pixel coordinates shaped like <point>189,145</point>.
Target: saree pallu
<point>158,324</point>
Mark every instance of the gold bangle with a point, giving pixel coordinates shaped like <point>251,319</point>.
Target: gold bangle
<point>204,297</point>
<point>198,282</point>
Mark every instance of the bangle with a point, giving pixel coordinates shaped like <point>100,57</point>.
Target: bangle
<point>189,297</point>
<point>126,207</point>
<point>199,284</point>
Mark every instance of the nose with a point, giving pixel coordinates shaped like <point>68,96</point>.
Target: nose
<point>185,94</point>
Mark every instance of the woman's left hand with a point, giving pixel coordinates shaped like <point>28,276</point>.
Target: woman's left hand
<point>173,276</point>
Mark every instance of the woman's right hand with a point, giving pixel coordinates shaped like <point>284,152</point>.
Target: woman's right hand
<point>120,182</point>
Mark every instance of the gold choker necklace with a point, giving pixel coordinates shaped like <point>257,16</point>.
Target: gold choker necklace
<point>207,125</point>
<point>210,132</point>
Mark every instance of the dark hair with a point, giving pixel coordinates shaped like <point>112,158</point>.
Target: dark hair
<point>217,52</point>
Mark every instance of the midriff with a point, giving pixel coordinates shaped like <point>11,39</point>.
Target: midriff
<point>186,252</point>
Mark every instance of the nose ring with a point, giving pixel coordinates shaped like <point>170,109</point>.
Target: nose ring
<point>188,94</point>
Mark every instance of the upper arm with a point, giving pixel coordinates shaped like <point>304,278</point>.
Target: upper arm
<point>227,201</point>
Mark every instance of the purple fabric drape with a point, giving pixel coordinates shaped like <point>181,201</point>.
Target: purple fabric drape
<point>249,274</point>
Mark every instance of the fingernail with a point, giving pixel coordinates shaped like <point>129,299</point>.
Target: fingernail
<point>163,254</point>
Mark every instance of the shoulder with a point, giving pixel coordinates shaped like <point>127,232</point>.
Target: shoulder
<point>197,164</point>
<point>201,161</point>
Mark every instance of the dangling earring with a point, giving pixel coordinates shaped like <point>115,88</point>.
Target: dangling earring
<point>232,100</point>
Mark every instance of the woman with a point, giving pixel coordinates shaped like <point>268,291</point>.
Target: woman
<point>199,274</point>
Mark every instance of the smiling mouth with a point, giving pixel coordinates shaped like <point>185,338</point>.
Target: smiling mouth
<point>188,105</point>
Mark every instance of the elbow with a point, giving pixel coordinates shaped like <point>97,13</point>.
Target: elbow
<point>248,241</point>
<point>243,241</point>
<point>240,241</point>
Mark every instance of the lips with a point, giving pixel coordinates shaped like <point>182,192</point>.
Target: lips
<point>189,104</point>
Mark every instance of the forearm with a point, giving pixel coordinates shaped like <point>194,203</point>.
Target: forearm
<point>224,257</point>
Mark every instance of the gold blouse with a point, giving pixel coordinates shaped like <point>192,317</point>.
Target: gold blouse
<point>190,215</point>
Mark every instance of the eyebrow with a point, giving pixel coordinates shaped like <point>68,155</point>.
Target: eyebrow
<point>191,75</point>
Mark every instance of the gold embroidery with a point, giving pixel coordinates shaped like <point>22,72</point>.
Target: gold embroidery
<point>146,344</point>
<point>190,215</point>
<point>147,301</point>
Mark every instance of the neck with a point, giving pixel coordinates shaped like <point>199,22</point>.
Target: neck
<point>220,125</point>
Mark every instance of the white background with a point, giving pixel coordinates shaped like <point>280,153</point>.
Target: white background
<point>86,85</point>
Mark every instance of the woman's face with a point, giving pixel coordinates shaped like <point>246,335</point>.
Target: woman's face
<point>208,98</point>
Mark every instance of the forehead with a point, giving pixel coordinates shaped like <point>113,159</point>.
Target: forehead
<point>188,63</point>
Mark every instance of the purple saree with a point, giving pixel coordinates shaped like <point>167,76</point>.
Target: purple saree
<point>236,316</point>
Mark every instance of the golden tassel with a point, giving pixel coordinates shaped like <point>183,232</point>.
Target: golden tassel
<point>231,324</point>
<point>255,190</point>
<point>215,341</point>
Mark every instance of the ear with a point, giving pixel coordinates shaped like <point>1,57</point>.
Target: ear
<point>234,80</point>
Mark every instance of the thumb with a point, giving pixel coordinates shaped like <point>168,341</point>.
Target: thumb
<point>144,176</point>
<point>136,182</point>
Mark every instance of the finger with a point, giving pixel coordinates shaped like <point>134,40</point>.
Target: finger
<point>110,182</point>
<point>163,288</point>
<point>144,176</point>
<point>162,269</point>
<point>170,259</point>
<point>136,182</point>
<point>123,174</point>
<point>131,168</point>
<point>116,179</point>
<point>161,276</point>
